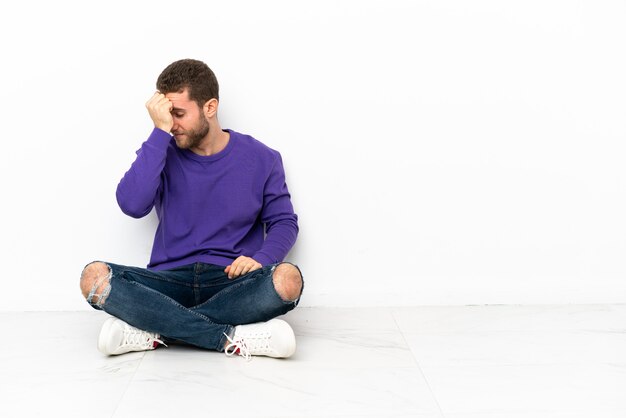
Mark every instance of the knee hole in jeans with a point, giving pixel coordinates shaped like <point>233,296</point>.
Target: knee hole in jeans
<point>287,282</point>
<point>95,282</point>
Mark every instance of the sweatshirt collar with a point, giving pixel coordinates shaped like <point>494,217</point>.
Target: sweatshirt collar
<point>214,157</point>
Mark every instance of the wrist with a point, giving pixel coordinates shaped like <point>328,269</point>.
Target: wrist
<point>164,128</point>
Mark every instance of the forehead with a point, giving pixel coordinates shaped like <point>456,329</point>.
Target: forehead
<point>181,99</point>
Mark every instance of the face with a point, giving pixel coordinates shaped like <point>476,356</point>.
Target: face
<point>190,126</point>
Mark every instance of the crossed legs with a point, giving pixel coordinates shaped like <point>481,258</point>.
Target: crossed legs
<point>137,296</point>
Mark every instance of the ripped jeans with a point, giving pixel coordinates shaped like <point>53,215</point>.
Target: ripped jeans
<point>196,304</point>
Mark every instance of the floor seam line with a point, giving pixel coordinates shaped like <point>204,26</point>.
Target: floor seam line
<point>132,378</point>
<point>430,389</point>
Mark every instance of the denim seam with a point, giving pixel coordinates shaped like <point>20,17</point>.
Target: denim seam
<point>195,287</point>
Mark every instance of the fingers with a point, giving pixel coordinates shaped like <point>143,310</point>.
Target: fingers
<point>238,267</point>
<point>153,99</point>
<point>242,265</point>
<point>159,108</point>
<point>156,100</point>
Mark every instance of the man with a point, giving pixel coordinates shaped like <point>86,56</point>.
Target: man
<point>216,278</point>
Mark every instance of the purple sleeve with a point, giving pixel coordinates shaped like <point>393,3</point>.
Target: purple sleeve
<point>138,188</point>
<point>281,223</point>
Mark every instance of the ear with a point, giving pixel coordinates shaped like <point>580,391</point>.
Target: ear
<point>210,108</point>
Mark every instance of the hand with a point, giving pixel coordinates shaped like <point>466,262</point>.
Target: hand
<point>242,265</point>
<point>159,108</point>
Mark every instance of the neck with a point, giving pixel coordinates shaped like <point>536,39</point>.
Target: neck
<point>215,141</point>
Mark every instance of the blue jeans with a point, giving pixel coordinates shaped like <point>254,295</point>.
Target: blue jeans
<point>196,303</point>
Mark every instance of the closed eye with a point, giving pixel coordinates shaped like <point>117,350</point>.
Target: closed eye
<point>178,112</point>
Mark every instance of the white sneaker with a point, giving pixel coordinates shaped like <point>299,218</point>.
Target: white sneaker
<point>117,337</point>
<point>273,338</point>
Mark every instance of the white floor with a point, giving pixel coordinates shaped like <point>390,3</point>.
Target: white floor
<point>453,362</point>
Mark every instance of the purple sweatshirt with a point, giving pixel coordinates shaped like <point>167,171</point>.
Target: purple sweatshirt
<point>214,208</point>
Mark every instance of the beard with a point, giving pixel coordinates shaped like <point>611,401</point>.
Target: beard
<point>195,135</point>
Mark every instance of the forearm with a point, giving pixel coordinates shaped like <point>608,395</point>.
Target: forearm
<point>281,222</point>
<point>280,238</point>
<point>138,188</point>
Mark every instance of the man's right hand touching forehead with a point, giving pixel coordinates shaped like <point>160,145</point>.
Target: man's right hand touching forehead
<point>159,108</point>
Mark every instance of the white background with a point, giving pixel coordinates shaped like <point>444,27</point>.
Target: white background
<point>438,152</point>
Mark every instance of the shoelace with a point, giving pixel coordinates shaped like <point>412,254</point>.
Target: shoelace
<point>256,343</point>
<point>139,339</point>
<point>237,346</point>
